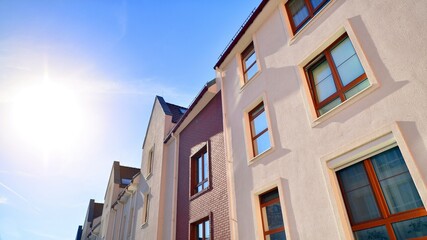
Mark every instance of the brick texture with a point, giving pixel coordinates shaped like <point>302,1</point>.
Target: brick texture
<point>205,127</point>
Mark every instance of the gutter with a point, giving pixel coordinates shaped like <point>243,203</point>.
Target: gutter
<point>242,30</point>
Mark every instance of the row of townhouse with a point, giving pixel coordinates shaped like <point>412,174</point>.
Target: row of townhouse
<point>314,128</point>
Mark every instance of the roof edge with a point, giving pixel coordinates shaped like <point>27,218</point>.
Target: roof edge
<point>240,33</point>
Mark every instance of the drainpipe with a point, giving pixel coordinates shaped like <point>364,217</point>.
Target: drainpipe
<point>229,160</point>
<point>175,187</point>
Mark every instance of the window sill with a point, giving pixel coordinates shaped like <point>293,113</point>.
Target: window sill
<point>344,105</point>
<point>149,176</point>
<point>296,36</point>
<point>261,155</point>
<point>196,195</point>
<point>250,80</point>
<point>144,224</point>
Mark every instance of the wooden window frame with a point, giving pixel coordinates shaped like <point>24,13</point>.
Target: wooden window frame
<point>261,205</point>
<point>340,89</point>
<point>311,13</point>
<point>253,114</point>
<point>194,168</point>
<point>386,219</point>
<point>249,50</point>
<point>194,227</point>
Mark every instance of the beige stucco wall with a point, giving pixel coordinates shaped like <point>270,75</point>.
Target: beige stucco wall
<point>390,39</point>
<point>159,126</point>
<point>167,222</point>
<point>108,215</point>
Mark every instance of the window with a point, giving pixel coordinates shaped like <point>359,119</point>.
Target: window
<point>150,162</point>
<point>271,213</point>
<point>259,130</point>
<point>126,181</point>
<point>301,11</point>
<point>145,208</point>
<point>201,230</point>
<point>250,67</point>
<point>335,75</point>
<point>200,171</point>
<point>381,199</point>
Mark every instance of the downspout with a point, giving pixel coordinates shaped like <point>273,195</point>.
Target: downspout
<point>229,161</point>
<point>175,187</point>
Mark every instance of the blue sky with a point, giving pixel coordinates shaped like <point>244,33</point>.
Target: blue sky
<point>106,60</point>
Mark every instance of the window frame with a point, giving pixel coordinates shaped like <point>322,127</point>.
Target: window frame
<point>311,13</point>
<point>386,218</point>
<point>150,162</point>
<point>261,205</point>
<point>146,202</point>
<point>325,55</point>
<point>194,227</point>
<point>245,55</point>
<point>251,118</point>
<point>194,173</point>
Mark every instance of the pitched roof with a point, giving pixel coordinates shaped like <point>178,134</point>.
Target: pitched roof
<point>177,112</point>
<point>169,109</point>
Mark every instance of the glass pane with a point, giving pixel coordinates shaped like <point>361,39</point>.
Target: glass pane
<point>362,204</point>
<point>252,71</point>
<point>360,198</point>
<point>206,166</point>
<point>315,3</point>
<point>359,87</point>
<point>250,59</point>
<point>262,143</point>
<point>343,51</point>
<point>353,177</point>
<point>389,163</point>
<point>396,182</point>
<point>400,193</point>
<point>205,184</point>
<point>329,106</point>
<point>199,169</point>
<point>199,188</point>
<point>200,231</point>
<point>323,81</point>
<point>298,11</point>
<point>411,228</point>
<point>269,196</point>
<point>207,230</point>
<point>276,236</point>
<point>350,70</point>
<point>376,233</point>
<point>274,216</point>
<point>347,62</point>
<point>260,123</point>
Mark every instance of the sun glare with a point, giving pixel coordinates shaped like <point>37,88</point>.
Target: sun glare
<point>48,116</point>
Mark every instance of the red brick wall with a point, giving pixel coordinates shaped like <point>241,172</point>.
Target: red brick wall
<point>206,126</point>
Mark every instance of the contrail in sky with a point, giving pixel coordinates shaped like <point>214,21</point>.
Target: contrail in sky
<point>20,196</point>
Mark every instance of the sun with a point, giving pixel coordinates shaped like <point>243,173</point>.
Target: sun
<point>48,115</point>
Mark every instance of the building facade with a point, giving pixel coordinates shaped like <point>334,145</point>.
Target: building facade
<point>156,193</point>
<point>112,215</point>
<point>202,199</point>
<point>92,223</point>
<point>314,128</point>
<point>325,120</point>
